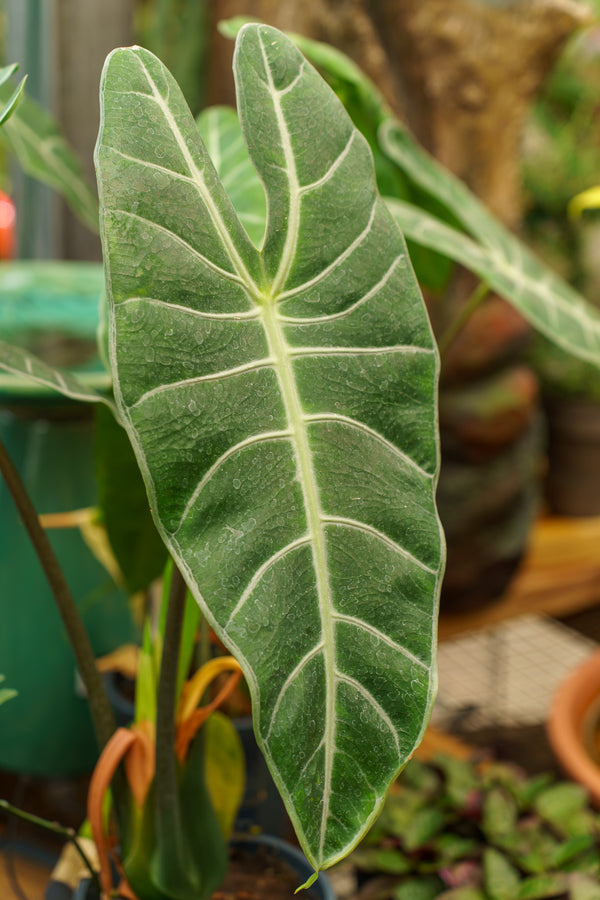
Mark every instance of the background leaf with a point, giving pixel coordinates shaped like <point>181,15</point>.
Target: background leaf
<point>282,407</point>
<point>17,361</point>
<point>124,506</point>
<point>498,257</point>
<point>222,135</point>
<point>14,99</point>
<point>43,152</point>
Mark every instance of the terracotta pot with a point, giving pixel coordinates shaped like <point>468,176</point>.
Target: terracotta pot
<point>573,720</point>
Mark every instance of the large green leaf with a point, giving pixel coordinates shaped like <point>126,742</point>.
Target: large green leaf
<point>497,256</point>
<point>43,152</point>
<point>281,403</point>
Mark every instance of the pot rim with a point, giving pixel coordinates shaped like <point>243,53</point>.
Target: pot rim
<point>572,702</point>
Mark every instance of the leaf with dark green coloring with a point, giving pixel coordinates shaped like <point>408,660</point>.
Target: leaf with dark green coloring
<point>424,888</point>
<point>451,848</point>
<point>368,110</point>
<point>565,806</point>
<point>424,825</point>
<point>15,98</point>
<point>281,403</point>
<point>43,152</point>
<point>222,135</point>
<point>537,887</point>
<point>124,507</point>
<point>500,813</point>
<point>500,259</point>
<point>573,848</point>
<point>501,879</point>
<point>384,860</point>
<point>190,858</point>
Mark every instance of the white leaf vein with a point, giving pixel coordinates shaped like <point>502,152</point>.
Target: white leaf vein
<point>230,276</point>
<point>244,315</point>
<point>332,317</point>
<point>322,275</point>
<point>374,532</point>
<point>262,569</point>
<point>289,681</point>
<point>381,636</point>
<point>328,175</point>
<point>373,704</point>
<point>336,418</point>
<point>254,366</point>
<point>209,474</point>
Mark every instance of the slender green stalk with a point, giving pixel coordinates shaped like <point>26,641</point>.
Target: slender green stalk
<point>68,834</point>
<point>166,766</point>
<point>454,329</point>
<point>102,714</point>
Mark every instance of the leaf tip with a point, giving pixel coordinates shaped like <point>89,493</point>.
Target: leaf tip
<point>307,884</point>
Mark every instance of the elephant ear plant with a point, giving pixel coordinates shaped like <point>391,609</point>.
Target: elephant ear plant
<point>281,401</point>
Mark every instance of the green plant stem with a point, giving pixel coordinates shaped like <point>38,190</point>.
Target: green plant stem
<point>102,714</point>
<point>68,834</point>
<point>454,329</point>
<point>166,766</point>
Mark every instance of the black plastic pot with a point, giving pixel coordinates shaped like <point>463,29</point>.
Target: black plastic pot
<point>278,849</point>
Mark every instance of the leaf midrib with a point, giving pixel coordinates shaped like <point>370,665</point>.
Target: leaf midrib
<point>281,354</point>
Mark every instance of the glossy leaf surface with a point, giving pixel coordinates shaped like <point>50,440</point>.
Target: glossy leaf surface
<point>282,407</point>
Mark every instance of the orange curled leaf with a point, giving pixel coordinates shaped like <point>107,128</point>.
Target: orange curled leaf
<point>187,728</point>
<point>140,761</point>
<point>194,689</point>
<point>108,763</point>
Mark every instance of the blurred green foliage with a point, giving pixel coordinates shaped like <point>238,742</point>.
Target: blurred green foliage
<point>176,31</point>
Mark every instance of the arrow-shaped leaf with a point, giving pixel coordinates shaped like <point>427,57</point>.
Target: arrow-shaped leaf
<point>282,407</point>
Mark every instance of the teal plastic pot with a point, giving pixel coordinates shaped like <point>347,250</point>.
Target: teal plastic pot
<point>51,309</point>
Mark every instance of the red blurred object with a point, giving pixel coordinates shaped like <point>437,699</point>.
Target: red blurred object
<point>8,217</point>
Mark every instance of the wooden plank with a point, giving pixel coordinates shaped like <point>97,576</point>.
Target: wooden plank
<point>559,575</point>
<point>20,876</point>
